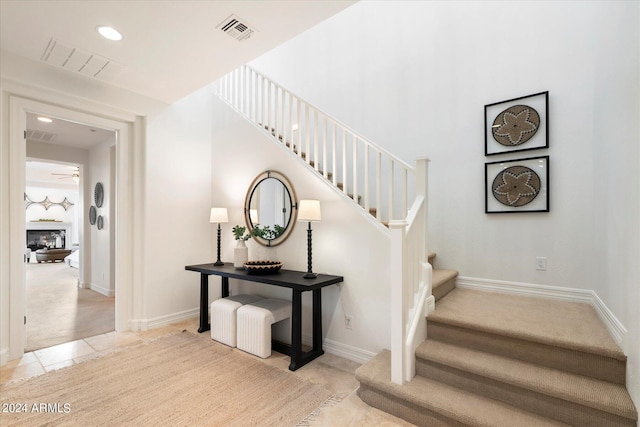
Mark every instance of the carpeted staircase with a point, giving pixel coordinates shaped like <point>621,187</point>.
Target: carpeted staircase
<point>503,360</point>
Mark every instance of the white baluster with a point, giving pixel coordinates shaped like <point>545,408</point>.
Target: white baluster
<point>404,193</point>
<point>291,141</point>
<point>307,133</point>
<point>355,168</point>
<point>334,154</point>
<point>315,139</point>
<point>391,184</point>
<point>344,160</point>
<point>299,112</point>
<point>276,109</point>
<point>366,178</point>
<point>378,186</point>
<point>325,166</point>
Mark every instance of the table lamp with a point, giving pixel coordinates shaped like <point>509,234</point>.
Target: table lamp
<point>218,216</point>
<point>309,210</point>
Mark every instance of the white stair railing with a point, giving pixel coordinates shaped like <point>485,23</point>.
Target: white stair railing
<point>372,177</point>
<point>366,173</point>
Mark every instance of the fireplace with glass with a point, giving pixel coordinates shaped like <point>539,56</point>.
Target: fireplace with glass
<point>52,239</point>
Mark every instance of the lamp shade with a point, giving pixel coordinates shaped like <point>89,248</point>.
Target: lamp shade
<point>218,216</point>
<point>309,210</point>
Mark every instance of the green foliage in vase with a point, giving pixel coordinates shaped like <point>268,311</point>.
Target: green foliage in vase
<point>267,233</point>
<point>239,233</point>
<point>263,232</point>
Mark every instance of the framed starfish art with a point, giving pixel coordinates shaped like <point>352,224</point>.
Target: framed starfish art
<point>517,185</point>
<point>517,124</point>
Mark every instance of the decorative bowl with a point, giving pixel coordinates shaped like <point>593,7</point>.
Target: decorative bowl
<point>262,267</point>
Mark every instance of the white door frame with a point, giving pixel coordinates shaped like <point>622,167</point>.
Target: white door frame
<point>127,127</point>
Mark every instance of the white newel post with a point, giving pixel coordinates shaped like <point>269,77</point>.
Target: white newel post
<point>398,315</point>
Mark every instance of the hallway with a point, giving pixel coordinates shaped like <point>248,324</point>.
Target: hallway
<point>58,311</point>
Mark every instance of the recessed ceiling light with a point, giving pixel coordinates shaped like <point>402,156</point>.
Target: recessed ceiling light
<point>109,32</point>
<point>45,119</point>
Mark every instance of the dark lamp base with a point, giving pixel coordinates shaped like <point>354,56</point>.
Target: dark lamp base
<point>218,263</point>
<point>310,275</point>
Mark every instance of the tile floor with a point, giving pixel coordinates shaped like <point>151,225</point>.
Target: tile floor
<point>333,372</point>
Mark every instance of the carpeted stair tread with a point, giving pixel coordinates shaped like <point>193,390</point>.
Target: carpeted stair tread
<point>452,403</point>
<point>444,281</point>
<point>556,323</point>
<point>597,394</point>
<point>441,276</point>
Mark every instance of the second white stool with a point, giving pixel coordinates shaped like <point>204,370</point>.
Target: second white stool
<point>224,315</point>
<point>254,324</point>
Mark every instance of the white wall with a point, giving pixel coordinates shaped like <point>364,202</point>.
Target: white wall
<point>177,203</point>
<point>100,171</point>
<point>343,243</point>
<point>415,76</point>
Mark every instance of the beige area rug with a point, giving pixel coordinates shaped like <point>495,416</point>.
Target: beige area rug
<point>177,380</point>
<point>58,311</point>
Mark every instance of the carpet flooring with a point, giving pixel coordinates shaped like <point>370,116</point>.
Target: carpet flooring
<point>58,311</point>
<point>505,360</point>
<point>552,322</point>
<point>178,380</point>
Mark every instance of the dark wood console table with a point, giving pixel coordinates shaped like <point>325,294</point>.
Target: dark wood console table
<point>284,278</point>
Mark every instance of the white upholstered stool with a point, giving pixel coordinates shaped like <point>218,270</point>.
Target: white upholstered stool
<point>254,324</point>
<point>223,317</point>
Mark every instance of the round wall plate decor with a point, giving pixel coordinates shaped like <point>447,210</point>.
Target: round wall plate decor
<point>516,186</point>
<point>98,194</point>
<point>100,222</point>
<point>515,125</point>
<point>93,213</point>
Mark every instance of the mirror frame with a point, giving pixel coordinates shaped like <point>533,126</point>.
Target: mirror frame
<point>294,207</point>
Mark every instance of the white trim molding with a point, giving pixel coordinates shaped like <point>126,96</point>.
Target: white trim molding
<point>129,192</point>
<point>616,329</point>
<point>102,290</point>
<point>343,350</point>
<point>157,322</point>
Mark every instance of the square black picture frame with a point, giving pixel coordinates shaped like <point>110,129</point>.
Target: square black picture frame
<point>517,124</point>
<point>502,178</point>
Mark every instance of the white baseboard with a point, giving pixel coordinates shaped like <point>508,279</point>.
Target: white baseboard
<point>156,322</point>
<point>101,290</point>
<point>333,347</point>
<point>616,329</point>
<point>348,352</point>
<point>4,356</point>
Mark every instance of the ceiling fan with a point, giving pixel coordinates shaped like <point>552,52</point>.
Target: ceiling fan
<point>75,175</point>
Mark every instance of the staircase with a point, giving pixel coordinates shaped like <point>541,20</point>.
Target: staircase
<point>502,360</point>
<point>377,183</point>
<point>491,359</point>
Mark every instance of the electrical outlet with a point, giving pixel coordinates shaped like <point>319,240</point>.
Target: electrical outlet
<point>541,263</point>
<point>347,322</point>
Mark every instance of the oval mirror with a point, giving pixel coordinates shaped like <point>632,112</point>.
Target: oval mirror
<point>270,208</point>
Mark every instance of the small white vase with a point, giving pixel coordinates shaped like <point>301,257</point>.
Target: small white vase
<point>240,254</point>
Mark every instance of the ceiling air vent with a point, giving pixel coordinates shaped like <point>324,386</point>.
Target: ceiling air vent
<point>74,59</point>
<point>36,135</point>
<point>236,28</point>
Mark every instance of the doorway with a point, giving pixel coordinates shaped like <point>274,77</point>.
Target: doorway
<point>126,130</point>
<point>79,294</point>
